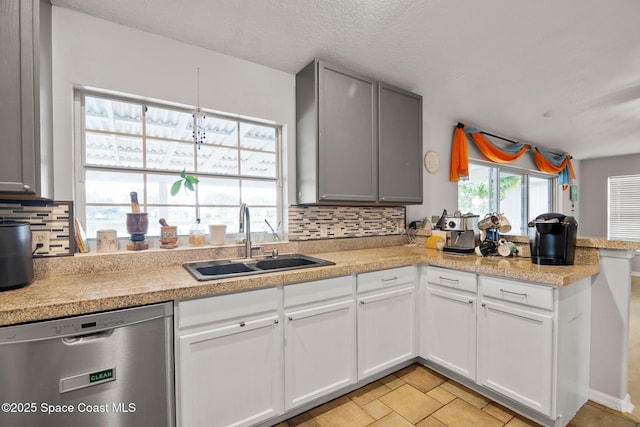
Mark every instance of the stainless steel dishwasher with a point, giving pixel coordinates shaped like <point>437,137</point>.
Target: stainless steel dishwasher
<point>108,369</point>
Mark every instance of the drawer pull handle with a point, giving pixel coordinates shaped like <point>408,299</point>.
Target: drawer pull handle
<point>242,324</point>
<point>470,301</point>
<point>390,280</point>
<point>449,280</point>
<point>276,321</point>
<point>290,317</point>
<point>513,293</point>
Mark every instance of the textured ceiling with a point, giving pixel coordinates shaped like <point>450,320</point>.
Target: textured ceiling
<point>559,74</point>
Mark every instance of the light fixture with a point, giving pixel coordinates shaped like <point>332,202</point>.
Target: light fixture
<point>199,134</point>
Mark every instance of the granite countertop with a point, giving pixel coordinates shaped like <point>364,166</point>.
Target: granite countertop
<point>88,292</point>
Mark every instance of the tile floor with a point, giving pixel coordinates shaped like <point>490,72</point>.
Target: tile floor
<point>418,396</point>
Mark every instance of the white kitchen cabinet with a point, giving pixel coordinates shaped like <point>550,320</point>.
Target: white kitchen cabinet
<point>320,338</point>
<point>533,343</point>
<point>229,359</point>
<point>386,319</point>
<point>515,354</point>
<point>448,320</point>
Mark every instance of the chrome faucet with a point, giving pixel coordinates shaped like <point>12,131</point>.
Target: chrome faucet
<point>245,217</point>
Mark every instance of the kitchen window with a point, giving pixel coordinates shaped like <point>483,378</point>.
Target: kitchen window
<point>132,145</point>
<point>624,207</point>
<point>519,194</point>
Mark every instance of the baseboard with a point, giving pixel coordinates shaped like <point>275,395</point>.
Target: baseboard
<point>622,405</point>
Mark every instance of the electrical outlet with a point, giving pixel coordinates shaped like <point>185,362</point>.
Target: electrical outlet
<point>39,237</point>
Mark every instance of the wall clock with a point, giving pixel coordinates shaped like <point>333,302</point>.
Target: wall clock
<point>432,161</point>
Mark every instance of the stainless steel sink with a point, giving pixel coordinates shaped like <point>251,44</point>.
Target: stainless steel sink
<point>219,269</point>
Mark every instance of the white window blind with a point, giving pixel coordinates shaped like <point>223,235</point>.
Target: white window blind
<point>624,207</point>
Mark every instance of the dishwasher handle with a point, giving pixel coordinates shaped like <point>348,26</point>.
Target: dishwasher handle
<point>86,338</point>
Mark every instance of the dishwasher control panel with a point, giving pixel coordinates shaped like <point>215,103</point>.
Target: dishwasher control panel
<point>82,325</point>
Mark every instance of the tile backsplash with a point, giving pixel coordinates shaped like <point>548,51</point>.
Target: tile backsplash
<point>54,218</point>
<point>330,222</point>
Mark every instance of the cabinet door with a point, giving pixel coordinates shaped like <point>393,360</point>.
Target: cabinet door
<point>400,145</point>
<point>386,330</point>
<point>320,351</point>
<point>18,106</point>
<point>449,330</point>
<point>231,375</point>
<point>347,136</point>
<point>515,354</point>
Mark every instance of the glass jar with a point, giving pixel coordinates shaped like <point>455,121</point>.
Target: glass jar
<point>196,234</point>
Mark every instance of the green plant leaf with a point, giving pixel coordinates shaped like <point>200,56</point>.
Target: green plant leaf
<point>191,179</point>
<point>175,188</point>
<point>183,174</point>
<point>188,185</point>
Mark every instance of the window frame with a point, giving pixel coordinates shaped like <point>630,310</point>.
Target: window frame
<point>525,173</point>
<point>81,167</point>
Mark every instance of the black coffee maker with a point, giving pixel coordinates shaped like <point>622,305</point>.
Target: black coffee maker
<point>552,239</point>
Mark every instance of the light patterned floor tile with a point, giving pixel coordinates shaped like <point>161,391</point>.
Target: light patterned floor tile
<point>591,416</point>
<point>519,421</point>
<point>346,415</point>
<point>376,409</point>
<point>422,378</point>
<point>441,395</point>
<point>430,422</point>
<point>465,394</point>
<point>410,403</point>
<point>370,392</point>
<point>449,404</point>
<point>303,420</point>
<point>392,420</point>
<point>392,381</point>
<point>319,410</point>
<point>460,413</point>
<point>499,411</point>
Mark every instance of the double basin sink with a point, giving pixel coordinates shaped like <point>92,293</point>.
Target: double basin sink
<point>219,269</point>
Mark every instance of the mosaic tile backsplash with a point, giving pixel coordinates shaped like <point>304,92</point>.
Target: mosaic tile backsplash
<point>330,222</point>
<point>55,218</point>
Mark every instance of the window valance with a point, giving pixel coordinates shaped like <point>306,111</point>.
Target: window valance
<point>545,161</point>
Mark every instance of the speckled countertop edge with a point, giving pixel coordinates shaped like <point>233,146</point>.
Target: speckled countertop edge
<point>75,294</point>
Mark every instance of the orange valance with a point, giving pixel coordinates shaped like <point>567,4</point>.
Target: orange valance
<point>459,168</point>
<point>546,162</point>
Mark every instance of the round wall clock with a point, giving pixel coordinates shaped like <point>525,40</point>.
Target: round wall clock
<point>432,161</point>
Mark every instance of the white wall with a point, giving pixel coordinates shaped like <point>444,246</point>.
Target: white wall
<point>96,53</point>
<point>593,189</point>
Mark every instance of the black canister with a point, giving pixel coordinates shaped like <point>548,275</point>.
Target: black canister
<point>16,260</point>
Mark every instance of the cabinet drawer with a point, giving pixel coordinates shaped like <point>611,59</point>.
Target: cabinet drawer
<point>452,279</point>
<point>386,278</point>
<point>318,290</point>
<point>519,292</point>
<point>203,311</point>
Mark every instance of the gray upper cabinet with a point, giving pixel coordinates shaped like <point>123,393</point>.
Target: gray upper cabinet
<point>336,135</point>
<point>348,149</point>
<point>25,84</point>
<point>400,145</point>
